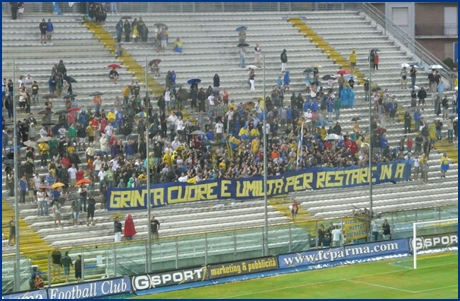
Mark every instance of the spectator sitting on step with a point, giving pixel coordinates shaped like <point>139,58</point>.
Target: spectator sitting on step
<point>113,74</point>
<point>177,46</point>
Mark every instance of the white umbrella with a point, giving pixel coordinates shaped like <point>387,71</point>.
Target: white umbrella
<point>416,88</point>
<point>405,65</point>
<point>438,118</point>
<point>332,137</point>
<point>312,94</point>
<point>456,88</point>
<point>435,67</point>
<point>251,67</point>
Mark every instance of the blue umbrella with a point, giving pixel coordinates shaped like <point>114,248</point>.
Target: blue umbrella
<point>193,80</point>
<point>241,28</point>
<point>308,70</point>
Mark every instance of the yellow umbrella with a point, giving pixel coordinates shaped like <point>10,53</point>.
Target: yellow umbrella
<point>57,185</point>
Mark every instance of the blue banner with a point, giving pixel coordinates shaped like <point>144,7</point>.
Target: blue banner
<point>36,294</point>
<point>350,252</point>
<point>300,180</point>
<point>92,289</point>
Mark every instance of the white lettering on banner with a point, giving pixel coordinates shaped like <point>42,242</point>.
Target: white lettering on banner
<point>339,253</point>
<point>75,293</point>
<point>429,242</point>
<point>108,287</point>
<point>143,282</point>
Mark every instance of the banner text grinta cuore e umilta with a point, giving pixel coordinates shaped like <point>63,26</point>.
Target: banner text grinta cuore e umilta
<point>247,188</point>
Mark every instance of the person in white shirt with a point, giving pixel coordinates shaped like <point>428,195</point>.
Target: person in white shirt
<point>336,237</point>
<point>175,144</point>
<point>62,132</point>
<point>257,52</point>
<point>219,130</point>
<point>40,202</point>
<point>73,176</point>
<point>308,119</point>
<point>179,127</point>
<point>167,97</point>
<point>101,175</point>
<point>37,183</point>
<point>28,83</point>
<point>114,163</point>
<point>20,82</point>
<point>183,178</point>
<point>42,132</point>
<point>97,164</point>
<point>211,106</point>
<point>416,167</point>
<point>267,128</point>
<point>109,130</point>
<point>172,121</point>
<point>103,144</point>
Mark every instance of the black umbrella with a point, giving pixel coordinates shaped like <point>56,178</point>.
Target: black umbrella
<point>308,70</point>
<point>243,44</point>
<point>452,117</point>
<point>97,93</point>
<point>45,112</point>
<point>376,89</point>
<point>126,17</point>
<point>69,79</point>
<point>48,123</point>
<point>46,96</point>
<point>327,77</point>
<point>70,96</point>
<point>60,112</point>
<point>160,24</point>
<point>355,119</point>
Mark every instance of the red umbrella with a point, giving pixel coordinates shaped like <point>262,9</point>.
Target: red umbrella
<point>155,61</point>
<point>73,109</point>
<point>344,71</point>
<point>116,66</point>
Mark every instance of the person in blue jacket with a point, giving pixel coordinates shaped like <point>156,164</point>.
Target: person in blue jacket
<point>119,28</point>
<point>289,115</point>
<point>49,29</point>
<point>287,81</point>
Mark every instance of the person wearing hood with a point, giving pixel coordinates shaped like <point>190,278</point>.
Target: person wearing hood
<point>177,46</point>
<point>129,230</point>
<point>284,60</point>
<point>287,81</point>
<point>279,82</point>
<point>352,59</point>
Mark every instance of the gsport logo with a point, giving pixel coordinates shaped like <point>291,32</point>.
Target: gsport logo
<point>143,282</point>
<point>434,241</point>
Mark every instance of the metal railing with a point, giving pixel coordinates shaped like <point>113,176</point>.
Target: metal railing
<point>182,251</point>
<point>423,57</point>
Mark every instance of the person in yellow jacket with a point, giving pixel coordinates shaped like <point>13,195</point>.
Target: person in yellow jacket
<point>177,46</point>
<point>353,57</point>
<point>223,165</point>
<point>44,150</point>
<point>432,135</point>
<point>135,35</point>
<point>126,93</point>
<point>255,145</point>
<point>323,132</point>
<point>254,133</point>
<point>111,117</point>
<point>444,165</point>
<point>244,133</point>
<point>167,158</point>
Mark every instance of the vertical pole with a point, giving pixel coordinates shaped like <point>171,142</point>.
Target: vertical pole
<point>414,245</point>
<point>16,180</point>
<point>82,266</point>
<point>205,248</point>
<point>115,270</point>
<point>290,235</point>
<point>147,142</point>
<point>370,141</point>
<point>234,244</point>
<point>177,254</point>
<point>49,269</point>
<point>265,166</point>
<point>300,145</point>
